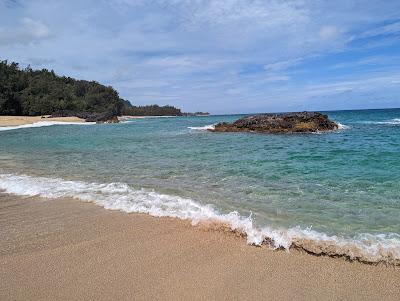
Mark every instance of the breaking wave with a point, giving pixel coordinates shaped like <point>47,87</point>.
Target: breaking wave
<point>42,124</point>
<point>343,126</point>
<point>202,128</point>
<point>394,121</point>
<point>120,196</point>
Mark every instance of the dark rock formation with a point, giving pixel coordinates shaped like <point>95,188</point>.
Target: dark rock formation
<point>188,114</point>
<point>300,122</point>
<point>105,117</point>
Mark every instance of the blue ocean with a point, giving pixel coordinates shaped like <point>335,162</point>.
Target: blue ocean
<point>335,193</point>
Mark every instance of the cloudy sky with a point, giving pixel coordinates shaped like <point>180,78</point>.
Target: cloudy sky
<point>218,56</point>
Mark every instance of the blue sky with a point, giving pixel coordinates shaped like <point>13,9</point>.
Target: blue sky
<point>219,56</point>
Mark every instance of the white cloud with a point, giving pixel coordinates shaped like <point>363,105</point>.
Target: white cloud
<point>27,32</point>
<point>328,32</point>
<point>373,61</point>
<point>283,65</point>
<point>170,61</point>
<point>393,28</point>
<point>195,52</point>
<point>34,29</point>
<point>359,84</point>
<point>276,78</point>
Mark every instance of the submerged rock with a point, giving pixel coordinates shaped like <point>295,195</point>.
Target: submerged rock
<point>299,122</point>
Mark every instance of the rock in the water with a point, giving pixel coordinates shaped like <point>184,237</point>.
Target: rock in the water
<point>299,122</point>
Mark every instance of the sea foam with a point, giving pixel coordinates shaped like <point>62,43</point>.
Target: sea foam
<point>394,121</point>
<point>202,128</point>
<point>42,124</point>
<point>343,126</point>
<point>120,196</point>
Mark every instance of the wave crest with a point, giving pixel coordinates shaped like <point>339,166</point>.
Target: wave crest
<point>42,124</point>
<point>120,196</point>
<point>202,128</point>
<point>343,126</point>
<point>394,121</point>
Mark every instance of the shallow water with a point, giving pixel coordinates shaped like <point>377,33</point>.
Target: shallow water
<point>342,185</point>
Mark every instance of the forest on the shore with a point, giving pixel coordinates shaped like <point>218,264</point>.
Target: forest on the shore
<point>42,92</point>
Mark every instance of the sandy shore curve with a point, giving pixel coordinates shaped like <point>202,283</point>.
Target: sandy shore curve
<point>23,120</point>
<point>65,249</point>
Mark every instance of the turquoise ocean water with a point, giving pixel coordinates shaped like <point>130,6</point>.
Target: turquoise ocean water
<point>336,192</point>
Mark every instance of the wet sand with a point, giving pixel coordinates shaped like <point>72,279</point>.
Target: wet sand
<point>21,120</point>
<point>69,250</point>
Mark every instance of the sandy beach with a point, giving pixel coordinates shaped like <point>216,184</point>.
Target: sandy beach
<point>215,150</point>
<point>69,250</point>
<point>22,120</point>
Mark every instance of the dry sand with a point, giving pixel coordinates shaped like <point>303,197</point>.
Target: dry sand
<point>69,250</point>
<point>21,120</point>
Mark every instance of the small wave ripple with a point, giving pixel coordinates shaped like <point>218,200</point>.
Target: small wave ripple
<point>120,196</point>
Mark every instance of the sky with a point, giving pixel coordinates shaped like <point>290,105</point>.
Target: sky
<point>232,56</point>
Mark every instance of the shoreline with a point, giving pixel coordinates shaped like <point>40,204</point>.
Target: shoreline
<point>10,121</point>
<point>378,249</point>
<point>68,249</point>
<point>6,121</point>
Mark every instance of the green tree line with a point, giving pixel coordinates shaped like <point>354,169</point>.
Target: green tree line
<point>151,110</point>
<point>42,92</point>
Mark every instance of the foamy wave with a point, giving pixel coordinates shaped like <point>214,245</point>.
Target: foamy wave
<point>120,196</point>
<point>202,128</point>
<point>343,126</point>
<point>394,121</point>
<point>41,124</point>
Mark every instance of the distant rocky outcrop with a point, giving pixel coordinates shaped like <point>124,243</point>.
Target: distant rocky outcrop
<point>195,114</point>
<point>105,117</point>
<point>299,122</point>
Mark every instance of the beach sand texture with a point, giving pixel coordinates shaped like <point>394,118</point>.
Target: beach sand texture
<point>69,250</point>
<point>22,120</point>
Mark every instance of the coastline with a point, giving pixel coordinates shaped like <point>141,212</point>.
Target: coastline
<point>10,121</point>
<point>24,120</point>
<point>6,121</point>
<point>67,249</point>
<point>129,117</point>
